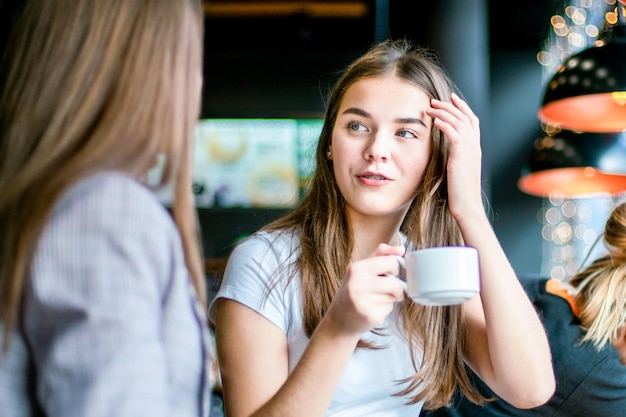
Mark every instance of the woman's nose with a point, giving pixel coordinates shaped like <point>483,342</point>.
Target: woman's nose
<point>378,148</point>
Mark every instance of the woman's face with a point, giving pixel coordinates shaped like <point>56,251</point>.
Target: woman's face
<point>381,145</point>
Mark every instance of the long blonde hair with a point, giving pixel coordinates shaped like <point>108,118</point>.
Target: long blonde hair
<point>326,242</point>
<point>601,287</point>
<point>90,86</point>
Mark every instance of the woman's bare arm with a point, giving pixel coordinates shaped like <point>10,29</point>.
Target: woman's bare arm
<point>506,342</point>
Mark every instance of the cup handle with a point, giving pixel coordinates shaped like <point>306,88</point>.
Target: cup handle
<point>402,267</point>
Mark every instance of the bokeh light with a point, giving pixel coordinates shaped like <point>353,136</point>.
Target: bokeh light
<point>570,232</point>
<point>576,27</point>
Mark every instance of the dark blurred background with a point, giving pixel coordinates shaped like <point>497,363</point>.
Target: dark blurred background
<point>277,64</point>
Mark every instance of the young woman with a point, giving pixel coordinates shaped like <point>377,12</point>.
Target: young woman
<point>585,318</point>
<point>306,322</point>
<point>98,314</point>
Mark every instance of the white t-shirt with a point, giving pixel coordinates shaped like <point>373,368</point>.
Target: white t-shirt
<point>257,276</point>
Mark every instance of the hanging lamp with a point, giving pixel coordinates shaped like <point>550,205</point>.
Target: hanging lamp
<point>576,165</point>
<point>588,91</point>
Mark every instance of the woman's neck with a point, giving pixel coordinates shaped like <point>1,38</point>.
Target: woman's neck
<point>369,233</point>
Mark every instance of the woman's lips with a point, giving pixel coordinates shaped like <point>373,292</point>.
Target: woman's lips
<point>374,179</point>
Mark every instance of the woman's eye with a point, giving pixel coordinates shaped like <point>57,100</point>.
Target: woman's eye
<point>356,126</point>
<point>407,134</point>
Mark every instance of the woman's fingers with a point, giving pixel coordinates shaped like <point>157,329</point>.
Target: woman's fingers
<point>385,249</point>
<point>456,119</point>
<point>462,130</point>
<point>377,275</point>
<point>367,294</point>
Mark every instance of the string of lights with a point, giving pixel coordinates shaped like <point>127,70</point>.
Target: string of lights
<point>577,28</point>
<point>571,227</point>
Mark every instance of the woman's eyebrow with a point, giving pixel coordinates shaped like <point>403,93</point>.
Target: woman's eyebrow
<point>357,111</point>
<point>400,120</point>
<point>410,120</point>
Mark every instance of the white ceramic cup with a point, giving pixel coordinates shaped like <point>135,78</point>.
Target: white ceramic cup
<point>441,276</point>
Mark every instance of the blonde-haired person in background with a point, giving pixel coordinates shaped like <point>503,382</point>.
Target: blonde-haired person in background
<point>585,318</point>
<point>306,323</point>
<point>101,289</point>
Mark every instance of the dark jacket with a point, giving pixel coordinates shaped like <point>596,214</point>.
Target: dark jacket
<point>589,383</point>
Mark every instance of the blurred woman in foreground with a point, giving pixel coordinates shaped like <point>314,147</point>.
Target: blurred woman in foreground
<point>98,314</point>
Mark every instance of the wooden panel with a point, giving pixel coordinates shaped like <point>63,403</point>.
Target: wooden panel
<point>320,9</point>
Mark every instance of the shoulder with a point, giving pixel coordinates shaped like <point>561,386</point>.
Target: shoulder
<point>263,257</point>
<point>112,204</point>
<point>260,273</point>
<point>549,298</point>
<point>555,308</point>
<point>107,217</point>
<point>267,246</point>
<point>111,194</point>
<point>535,287</point>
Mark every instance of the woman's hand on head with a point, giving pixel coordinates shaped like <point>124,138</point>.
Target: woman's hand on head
<point>462,129</point>
<point>366,295</point>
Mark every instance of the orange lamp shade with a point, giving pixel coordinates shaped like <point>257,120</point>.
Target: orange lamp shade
<point>588,91</point>
<point>576,165</point>
<point>580,182</point>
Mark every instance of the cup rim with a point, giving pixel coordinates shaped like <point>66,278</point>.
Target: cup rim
<point>445,248</point>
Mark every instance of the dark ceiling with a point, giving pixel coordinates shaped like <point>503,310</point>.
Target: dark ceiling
<point>511,25</point>
<point>302,53</point>
<point>519,25</point>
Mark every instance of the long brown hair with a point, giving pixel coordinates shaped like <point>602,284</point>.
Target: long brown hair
<point>91,86</point>
<point>326,241</point>
<point>601,286</point>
